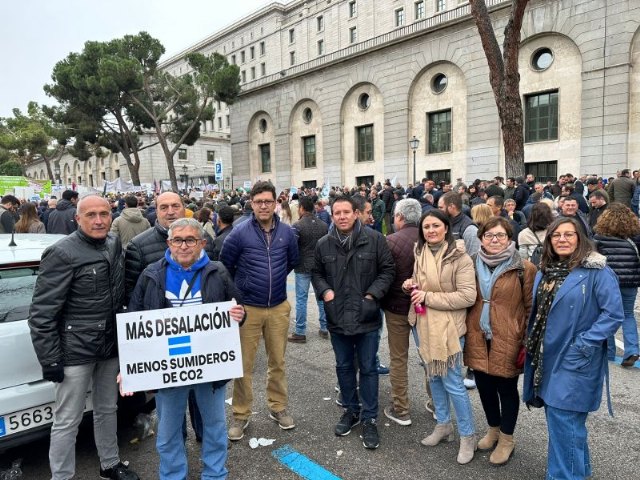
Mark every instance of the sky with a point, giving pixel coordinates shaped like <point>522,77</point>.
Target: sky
<point>36,34</point>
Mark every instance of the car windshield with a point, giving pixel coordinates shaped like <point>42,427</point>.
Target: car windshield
<point>16,291</point>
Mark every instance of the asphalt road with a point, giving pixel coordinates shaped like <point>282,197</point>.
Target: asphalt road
<point>614,442</point>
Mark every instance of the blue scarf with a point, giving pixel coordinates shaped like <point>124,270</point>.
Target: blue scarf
<point>486,280</point>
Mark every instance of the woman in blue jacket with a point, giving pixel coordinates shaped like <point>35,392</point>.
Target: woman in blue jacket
<point>577,306</point>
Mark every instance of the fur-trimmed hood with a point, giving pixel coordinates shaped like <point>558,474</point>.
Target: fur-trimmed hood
<point>595,260</point>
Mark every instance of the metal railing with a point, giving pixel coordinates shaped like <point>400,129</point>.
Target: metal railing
<point>421,26</point>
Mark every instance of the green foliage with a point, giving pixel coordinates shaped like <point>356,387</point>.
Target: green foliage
<point>10,167</point>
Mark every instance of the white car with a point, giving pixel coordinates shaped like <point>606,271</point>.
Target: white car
<point>26,400</point>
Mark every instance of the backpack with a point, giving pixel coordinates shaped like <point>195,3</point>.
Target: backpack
<point>536,256</point>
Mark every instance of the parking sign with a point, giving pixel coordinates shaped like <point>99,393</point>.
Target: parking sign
<point>218,171</point>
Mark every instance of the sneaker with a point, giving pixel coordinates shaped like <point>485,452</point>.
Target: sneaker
<point>391,413</point>
<point>370,438</point>
<point>120,471</point>
<point>285,421</point>
<point>295,338</point>
<point>237,428</point>
<point>470,380</point>
<point>383,370</point>
<point>347,421</point>
<point>630,361</point>
<point>323,333</point>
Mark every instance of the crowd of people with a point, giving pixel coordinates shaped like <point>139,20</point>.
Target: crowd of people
<point>502,278</point>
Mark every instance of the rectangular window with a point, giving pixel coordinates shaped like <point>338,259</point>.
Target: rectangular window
<point>441,5</point>
<point>242,57</point>
<point>352,9</point>
<point>320,23</point>
<point>309,145</point>
<point>353,35</point>
<point>400,17</point>
<point>263,69</point>
<point>244,76</point>
<point>309,183</point>
<point>364,139</point>
<point>543,171</point>
<point>182,154</point>
<point>228,121</point>
<point>253,73</point>
<point>419,8</point>
<point>541,117</point>
<point>211,156</point>
<point>233,59</point>
<point>439,176</point>
<point>440,131</point>
<point>262,50</point>
<point>367,180</point>
<point>292,58</point>
<point>265,157</point>
<point>292,35</point>
<point>252,52</point>
<point>219,123</point>
<point>320,47</point>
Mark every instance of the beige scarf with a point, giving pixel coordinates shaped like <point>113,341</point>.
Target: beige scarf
<point>439,342</point>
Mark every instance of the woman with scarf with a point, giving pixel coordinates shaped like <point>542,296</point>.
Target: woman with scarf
<point>443,287</point>
<point>576,307</point>
<point>496,328</point>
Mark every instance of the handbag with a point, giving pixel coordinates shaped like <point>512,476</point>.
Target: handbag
<point>522,353</point>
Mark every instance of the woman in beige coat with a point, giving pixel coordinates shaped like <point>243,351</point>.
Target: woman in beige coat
<point>496,327</point>
<point>443,287</point>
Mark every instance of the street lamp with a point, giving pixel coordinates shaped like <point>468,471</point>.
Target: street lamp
<point>185,177</point>
<point>413,143</point>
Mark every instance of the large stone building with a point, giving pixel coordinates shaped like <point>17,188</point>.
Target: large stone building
<point>334,90</point>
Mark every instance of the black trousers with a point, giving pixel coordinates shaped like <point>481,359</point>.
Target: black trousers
<point>500,400</point>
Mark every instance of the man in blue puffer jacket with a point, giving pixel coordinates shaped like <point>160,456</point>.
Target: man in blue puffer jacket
<point>259,254</point>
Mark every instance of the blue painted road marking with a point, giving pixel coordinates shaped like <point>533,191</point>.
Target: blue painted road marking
<point>185,349</point>
<point>301,465</point>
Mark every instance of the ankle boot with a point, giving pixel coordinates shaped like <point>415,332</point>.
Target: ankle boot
<point>490,439</point>
<point>503,451</point>
<point>468,447</point>
<point>443,431</point>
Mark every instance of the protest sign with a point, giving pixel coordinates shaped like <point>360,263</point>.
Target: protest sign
<point>178,346</point>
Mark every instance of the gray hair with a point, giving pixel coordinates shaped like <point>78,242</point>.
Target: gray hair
<point>410,209</point>
<point>184,223</point>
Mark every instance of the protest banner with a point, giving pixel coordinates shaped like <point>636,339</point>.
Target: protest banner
<point>172,347</point>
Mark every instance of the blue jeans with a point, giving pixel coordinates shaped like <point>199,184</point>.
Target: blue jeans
<point>171,404</point>
<point>629,326</point>
<point>568,450</point>
<point>365,346</point>
<point>302,294</point>
<point>450,388</point>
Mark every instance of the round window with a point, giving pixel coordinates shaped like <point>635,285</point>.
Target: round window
<point>542,59</point>
<point>439,83</point>
<point>307,115</point>
<point>364,101</point>
<point>262,125</point>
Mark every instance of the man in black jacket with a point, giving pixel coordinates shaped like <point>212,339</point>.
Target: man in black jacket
<point>73,328</point>
<point>309,229</point>
<point>63,218</point>
<point>352,273</point>
<point>149,247</point>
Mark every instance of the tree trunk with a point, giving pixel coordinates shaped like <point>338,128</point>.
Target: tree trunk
<point>505,79</point>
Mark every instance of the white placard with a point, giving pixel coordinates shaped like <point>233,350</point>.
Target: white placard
<point>178,346</point>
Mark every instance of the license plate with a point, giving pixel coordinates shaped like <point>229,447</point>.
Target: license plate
<point>31,418</point>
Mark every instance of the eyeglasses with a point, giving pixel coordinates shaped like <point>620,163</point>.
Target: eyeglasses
<point>491,236</point>
<point>566,235</point>
<point>191,242</point>
<point>263,203</point>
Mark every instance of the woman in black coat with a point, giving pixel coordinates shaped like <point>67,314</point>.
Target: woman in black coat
<point>617,236</point>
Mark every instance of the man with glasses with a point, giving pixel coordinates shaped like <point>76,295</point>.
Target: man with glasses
<point>185,276</point>
<point>149,247</point>
<point>259,254</point>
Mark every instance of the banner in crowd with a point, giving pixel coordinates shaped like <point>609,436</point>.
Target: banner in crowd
<point>178,346</point>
